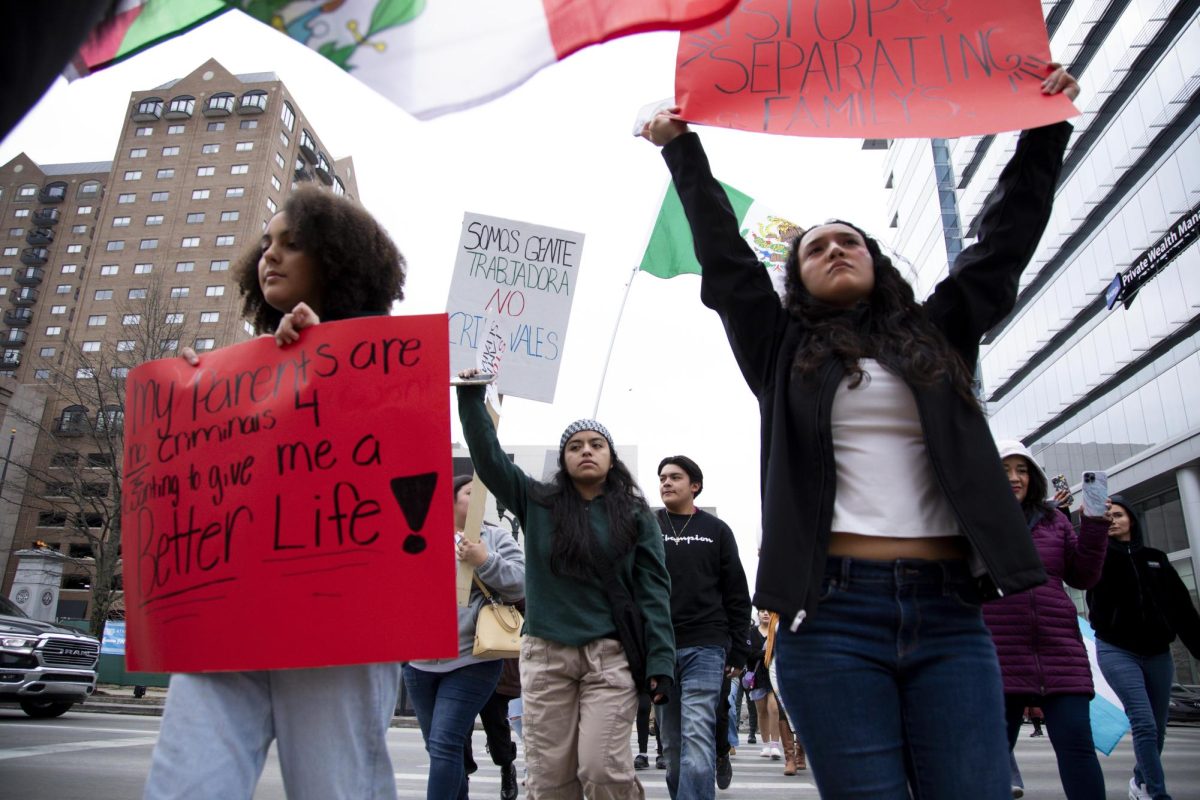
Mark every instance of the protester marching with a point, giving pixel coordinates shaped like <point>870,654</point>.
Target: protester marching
<point>307,555</point>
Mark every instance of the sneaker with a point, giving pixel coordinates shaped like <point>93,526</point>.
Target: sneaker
<point>752,740</point>
<point>776,751</point>
<point>724,772</point>
<point>1137,791</point>
<point>1017,791</point>
<point>660,763</point>
<point>641,762</point>
<point>1036,733</point>
<point>508,782</point>
<point>766,750</point>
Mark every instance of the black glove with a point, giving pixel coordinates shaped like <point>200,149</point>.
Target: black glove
<point>661,693</point>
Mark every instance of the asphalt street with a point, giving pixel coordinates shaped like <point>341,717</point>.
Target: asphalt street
<point>100,756</point>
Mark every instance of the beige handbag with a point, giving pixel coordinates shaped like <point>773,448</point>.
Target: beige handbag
<point>497,628</point>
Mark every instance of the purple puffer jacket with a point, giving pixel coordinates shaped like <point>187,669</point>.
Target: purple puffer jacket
<point>1036,632</point>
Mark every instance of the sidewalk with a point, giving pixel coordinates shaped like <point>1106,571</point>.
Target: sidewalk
<point>111,698</point>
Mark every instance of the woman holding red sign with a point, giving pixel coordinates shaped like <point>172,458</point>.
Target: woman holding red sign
<point>322,257</point>
<point>886,516</point>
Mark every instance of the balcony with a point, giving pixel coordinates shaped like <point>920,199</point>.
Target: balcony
<point>34,256</point>
<point>219,105</point>
<point>15,338</point>
<point>323,171</point>
<point>10,359</point>
<point>148,110</point>
<point>308,147</point>
<point>23,297</point>
<point>40,236</point>
<point>18,317</point>
<point>46,216</point>
<point>302,174</point>
<point>31,276</point>
<point>53,192</point>
<point>71,426</point>
<point>181,107</point>
<point>254,102</point>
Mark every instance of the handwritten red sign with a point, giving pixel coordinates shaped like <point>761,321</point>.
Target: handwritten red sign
<point>291,507</point>
<point>870,68</point>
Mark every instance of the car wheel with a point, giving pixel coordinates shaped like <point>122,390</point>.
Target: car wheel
<point>45,709</point>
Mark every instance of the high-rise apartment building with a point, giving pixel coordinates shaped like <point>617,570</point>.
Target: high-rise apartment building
<point>201,165</point>
<point>1087,386</point>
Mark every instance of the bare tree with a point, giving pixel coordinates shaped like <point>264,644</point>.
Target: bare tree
<point>75,473</point>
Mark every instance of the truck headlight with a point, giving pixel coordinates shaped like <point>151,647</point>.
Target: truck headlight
<point>16,641</point>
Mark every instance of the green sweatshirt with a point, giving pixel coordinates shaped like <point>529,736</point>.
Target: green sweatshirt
<point>568,610</point>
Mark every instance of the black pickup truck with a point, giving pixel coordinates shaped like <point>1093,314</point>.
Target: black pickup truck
<point>46,668</point>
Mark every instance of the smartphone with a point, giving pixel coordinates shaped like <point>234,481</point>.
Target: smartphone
<point>1095,493</point>
<point>482,379</point>
<point>1060,485</point>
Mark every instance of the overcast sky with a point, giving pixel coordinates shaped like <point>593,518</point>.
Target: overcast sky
<point>557,151</point>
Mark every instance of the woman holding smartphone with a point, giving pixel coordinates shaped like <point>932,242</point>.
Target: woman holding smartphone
<point>1137,609</point>
<point>1042,658</point>
<point>886,515</point>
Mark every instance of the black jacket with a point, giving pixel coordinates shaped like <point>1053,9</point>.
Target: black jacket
<point>1140,603</point>
<point>797,468</point>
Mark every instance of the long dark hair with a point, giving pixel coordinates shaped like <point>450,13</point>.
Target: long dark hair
<point>362,271</point>
<point>889,326</point>
<point>573,547</point>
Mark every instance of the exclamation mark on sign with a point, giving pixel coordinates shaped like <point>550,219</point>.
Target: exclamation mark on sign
<point>414,494</point>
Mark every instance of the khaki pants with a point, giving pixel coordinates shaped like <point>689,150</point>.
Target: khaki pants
<point>579,705</point>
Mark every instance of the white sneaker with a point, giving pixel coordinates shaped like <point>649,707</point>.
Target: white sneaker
<point>776,751</point>
<point>1137,791</point>
<point>1018,791</point>
<point>766,750</point>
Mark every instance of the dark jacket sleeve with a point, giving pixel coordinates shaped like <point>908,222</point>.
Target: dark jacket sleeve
<point>736,598</point>
<point>1083,553</point>
<point>1179,609</point>
<point>652,594</point>
<point>503,479</point>
<point>982,286</point>
<point>733,282</point>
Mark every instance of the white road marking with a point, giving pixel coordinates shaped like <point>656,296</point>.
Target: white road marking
<point>71,747</point>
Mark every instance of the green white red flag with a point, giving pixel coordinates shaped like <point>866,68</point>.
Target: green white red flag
<point>670,251</point>
<point>430,57</point>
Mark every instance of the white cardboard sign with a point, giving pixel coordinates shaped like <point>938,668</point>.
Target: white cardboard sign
<point>523,275</point>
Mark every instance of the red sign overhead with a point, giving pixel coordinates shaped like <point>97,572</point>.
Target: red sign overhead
<point>290,507</point>
<point>881,69</point>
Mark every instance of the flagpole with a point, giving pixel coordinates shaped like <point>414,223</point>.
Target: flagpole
<point>613,342</point>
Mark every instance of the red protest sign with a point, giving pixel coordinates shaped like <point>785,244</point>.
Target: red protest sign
<point>870,68</point>
<point>290,507</point>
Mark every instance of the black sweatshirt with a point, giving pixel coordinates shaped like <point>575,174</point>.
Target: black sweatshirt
<point>1140,603</point>
<point>709,599</point>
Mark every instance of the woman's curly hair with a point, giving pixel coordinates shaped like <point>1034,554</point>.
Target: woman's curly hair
<point>361,269</point>
<point>890,326</point>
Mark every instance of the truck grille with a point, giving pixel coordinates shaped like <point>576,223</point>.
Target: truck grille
<point>68,653</point>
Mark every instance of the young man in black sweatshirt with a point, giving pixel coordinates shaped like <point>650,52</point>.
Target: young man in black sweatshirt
<point>709,607</point>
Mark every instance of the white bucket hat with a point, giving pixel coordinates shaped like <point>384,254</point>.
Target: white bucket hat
<point>1012,447</point>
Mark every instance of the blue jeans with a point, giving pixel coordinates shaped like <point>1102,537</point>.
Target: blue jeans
<point>734,706</point>
<point>1070,727</point>
<point>1143,684</point>
<point>687,724</point>
<point>329,726</point>
<point>446,704</point>
<point>893,683</point>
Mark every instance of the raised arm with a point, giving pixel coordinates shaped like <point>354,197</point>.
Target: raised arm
<point>502,478</point>
<point>733,282</point>
<point>982,286</point>
<point>1083,552</point>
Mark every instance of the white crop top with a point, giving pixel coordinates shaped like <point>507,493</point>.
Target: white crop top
<point>885,481</point>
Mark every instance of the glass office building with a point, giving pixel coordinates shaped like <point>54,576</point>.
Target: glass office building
<point>1084,385</point>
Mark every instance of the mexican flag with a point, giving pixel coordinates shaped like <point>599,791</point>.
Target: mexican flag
<point>430,57</point>
<point>670,252</point>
